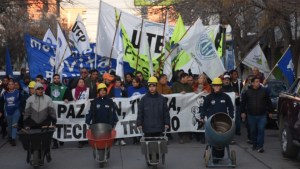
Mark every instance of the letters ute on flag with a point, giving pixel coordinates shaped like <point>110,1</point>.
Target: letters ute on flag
<point>138,62</point>
<point>287,67</point>
<point>198,44</point>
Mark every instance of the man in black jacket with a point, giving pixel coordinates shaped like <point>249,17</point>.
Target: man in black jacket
<point>256,103</point>
<point>153,113</point>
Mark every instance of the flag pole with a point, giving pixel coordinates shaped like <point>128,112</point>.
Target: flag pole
<point>97,45</point>
<point>278,62</point>
<point>178,45</point>
<point>137,62</point>
<point>112,47</point>
<point>164,42</point>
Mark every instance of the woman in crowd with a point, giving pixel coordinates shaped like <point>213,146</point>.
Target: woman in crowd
<point>202,85</point>
<point>136,88</point>
<point>80,93</point>
<point>10,106</point>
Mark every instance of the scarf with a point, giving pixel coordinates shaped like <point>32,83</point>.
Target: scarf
<point>78,91</point>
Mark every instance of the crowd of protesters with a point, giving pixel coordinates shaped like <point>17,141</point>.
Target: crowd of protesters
<point>15,92</point>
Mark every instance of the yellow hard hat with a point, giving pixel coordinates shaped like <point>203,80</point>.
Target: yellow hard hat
<point>217,81</point>
<point>152,79</point>
<point>101,86</point>
<point>31,84</point>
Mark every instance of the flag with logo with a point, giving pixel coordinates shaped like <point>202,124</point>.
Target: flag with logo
<point>62,50</point>
<point>256,58</point>
<point>49,37</point>
<point>286,66</point>
<point>79,37</point>
<point>199,45</point>
<point>8,66</point>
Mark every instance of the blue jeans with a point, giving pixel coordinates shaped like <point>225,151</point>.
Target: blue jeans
<point>12,120</point>
<point>257,126</point>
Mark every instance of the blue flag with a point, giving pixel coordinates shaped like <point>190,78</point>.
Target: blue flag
<point>41,60</point>
<point>287,67</point>
<point>8,67</point>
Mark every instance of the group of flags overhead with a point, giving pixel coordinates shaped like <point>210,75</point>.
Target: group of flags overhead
<point>152,47</point>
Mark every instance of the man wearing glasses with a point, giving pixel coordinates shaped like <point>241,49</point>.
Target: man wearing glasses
<point>84,74</point>
<point>153,113</point>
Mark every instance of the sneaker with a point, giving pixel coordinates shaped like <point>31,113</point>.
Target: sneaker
<point>260,150</point>
<point>117,142</point>
<point>123,143</point>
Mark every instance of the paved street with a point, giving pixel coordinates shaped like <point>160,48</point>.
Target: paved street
<point>180,156</point>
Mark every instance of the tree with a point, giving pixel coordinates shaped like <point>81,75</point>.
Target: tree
<point>251,21</point>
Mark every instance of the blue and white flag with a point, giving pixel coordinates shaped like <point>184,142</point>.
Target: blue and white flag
<point>286,66</point>
<point>41,60</point>
<point>62,50</point>
<point>198,44</point>
<point>8,67</point>
<point>49,37</point>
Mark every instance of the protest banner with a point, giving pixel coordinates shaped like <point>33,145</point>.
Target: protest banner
<point>184,116</point>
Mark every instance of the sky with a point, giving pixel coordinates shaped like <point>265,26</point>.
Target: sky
<point>92,7</point>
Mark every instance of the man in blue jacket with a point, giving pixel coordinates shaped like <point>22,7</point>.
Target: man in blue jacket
<point>153,113</point>
<point>102,109</point>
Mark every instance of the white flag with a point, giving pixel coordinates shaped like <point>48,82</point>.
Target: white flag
<point>79,37</point>
<point>62,50</point>
<point>256,58</point>
<point>49,37</point>
<point>118,47</point>
<point>145,48</point>
<point>168,61</point>
<point>198,44</point>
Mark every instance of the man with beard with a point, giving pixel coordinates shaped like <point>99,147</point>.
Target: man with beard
<point>58,92</point>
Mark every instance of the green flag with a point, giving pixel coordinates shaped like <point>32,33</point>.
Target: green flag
<point>181,57</point>
<point>138,62</point>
